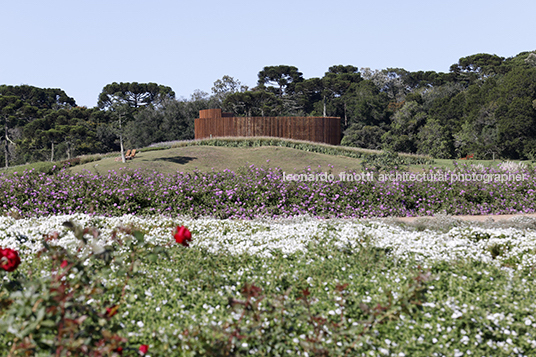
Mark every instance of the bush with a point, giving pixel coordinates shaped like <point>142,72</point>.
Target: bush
<point>69,311</point>
<point>320,148</point>
<point>386,161</point>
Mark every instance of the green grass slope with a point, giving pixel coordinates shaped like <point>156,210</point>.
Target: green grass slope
<point>207,158</point>
<point>233,153</point>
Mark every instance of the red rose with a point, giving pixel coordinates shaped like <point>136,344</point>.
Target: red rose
<point>183,236</point>
<point>9,259</point>
<point>119,350</point>
<point>64,264</point>
<point>111,311</point>
<point>144,349</point>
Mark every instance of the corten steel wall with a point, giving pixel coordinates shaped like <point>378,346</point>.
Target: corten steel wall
<point>214,123</point>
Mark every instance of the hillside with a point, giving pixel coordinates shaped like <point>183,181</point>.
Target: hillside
<point>206,158</point>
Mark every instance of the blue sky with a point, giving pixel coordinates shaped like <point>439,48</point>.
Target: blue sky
<point>80,46</point>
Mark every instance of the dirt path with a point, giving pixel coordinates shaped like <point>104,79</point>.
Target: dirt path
<point>483,218</point>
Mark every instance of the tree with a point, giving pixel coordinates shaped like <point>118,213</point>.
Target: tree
<point>368,137</point>
<point>335,84</point>
<point>134,94</point>
<point>172,120</point>
<point>285,77</point>
<point>405,125</point>
<point>477,67</point>
<point>309,92</point>
<point>479,134</point>
<point>228,84</point>
<point>41,98</point>
<point>389,81</point>
<point>253,103</point>
<point>531,59</point>
<point>12,109</point>
<point>72,135</point>
<point>34,141</point>
<point>122,112</point>
<point>53,136</point>
<point>434,140</point>
<point>424,80</point>
<point>225,86</point>
<point>516,124</point>
<point>480,63</point>
<point>62,134</point>
<point>365,104</point>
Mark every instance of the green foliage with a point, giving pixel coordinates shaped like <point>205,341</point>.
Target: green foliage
<point>367,104</point>
<point>483,106</point>
<point>332,90</point>
<point>41,98</point>
<point>285,77</point>
<point>69,311</point>
<point>405,126</point>
<point>386,161</point>
<point>300,145</point>
<point>134,94</point>
<point>254,103</point>
<point>367,137</point>
<point>267,324</point>
<point>331,301</point>
<point>224,87</point>
<point>435,140</point>
<point>63,134</point>
<point>477,67</point>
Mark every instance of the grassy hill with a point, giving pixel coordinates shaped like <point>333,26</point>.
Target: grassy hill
<point>206,158</point>
<point>233,153</point>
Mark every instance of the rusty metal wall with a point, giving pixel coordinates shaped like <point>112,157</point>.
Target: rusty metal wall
<point>211,123</point>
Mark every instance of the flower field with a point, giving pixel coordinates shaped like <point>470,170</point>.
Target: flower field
<point>263,192</point>
<point>315,283</point>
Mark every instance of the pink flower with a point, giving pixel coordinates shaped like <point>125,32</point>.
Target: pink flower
<point>9,259</point>
<point>144,349</point>
<point>183,235</point>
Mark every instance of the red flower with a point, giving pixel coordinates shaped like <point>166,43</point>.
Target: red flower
<point>119,350</point>
<point>9,259</point>
<point>111,311</point>
<point>144,349</point>
<point>64,264</point>
<point>183,236</point>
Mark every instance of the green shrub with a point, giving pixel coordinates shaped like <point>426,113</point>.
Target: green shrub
<point>386,161</point>
<point>68,308</point>
<point>320,148</point>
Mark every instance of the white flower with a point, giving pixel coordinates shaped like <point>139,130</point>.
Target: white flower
<point>457,314</point>
<point>140,324</point>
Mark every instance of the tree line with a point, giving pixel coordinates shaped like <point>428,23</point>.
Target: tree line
<point>485,105</point>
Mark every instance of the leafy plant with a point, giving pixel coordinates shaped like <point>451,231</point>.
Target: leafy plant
<point>69,312</point>
<point>267,324</point>
<point>326,149</point>
<point>386,161</point>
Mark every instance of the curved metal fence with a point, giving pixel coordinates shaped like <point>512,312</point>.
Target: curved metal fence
<point>213,123</point>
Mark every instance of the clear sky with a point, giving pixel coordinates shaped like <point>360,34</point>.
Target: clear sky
<point>82,45</point>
